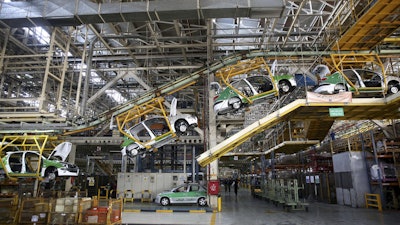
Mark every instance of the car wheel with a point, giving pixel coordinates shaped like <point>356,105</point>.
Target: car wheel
<point>339,88</point>
<point>132,150</point>
<point>202,202</point>
<point>164,201</point>
<point>285,86</point>
<point>393,88</point>
<point>236,103</point>
<point>51,173</point>
<point>181,126</point>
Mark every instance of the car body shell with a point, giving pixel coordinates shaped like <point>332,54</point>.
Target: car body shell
<point>255,88</point>
<point>189,193</point>
<point>364,82</point>
<point>28,163</point>
<point>155,132</point>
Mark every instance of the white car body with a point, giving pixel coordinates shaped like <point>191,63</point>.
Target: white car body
<point>20,163</point>
<point>368,82</point>
<point>255,87</point>
<point>156,132</point>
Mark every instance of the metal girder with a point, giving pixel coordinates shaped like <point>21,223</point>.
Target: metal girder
<point>376,24</point>
<point>107,86</point>
<point>73,13</point>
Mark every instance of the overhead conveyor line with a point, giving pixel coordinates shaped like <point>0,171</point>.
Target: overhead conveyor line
<point>171,87</point>
<point>167,89</point>
<point>174,86</point>
<point>287,147</point>
<point>183,82</point>
<point>301,109</point>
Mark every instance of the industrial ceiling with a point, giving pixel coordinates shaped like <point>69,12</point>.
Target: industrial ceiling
<point>63,63</point>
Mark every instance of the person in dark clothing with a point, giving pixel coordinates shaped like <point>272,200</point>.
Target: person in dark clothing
<point>230,181</point>
<point>236,186</point>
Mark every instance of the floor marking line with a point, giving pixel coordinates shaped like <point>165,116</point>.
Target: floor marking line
<point>213,217</point>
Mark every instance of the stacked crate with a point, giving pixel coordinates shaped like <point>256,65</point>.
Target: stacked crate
<point>70,210</point>
<point>64,211</point>
<point>34,210</point>
<point>8,210</point>
<point>100,211</point>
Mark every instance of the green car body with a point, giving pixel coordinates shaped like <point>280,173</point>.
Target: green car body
<point>189,193</point>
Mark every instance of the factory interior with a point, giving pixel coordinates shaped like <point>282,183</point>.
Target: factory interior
<point>200,112</point>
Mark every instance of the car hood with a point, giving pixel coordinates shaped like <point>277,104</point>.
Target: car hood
<point>62,150</point>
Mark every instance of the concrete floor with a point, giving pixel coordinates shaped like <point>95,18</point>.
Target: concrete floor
<point>246,210</point>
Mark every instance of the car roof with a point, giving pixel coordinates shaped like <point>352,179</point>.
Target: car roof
<point>21,151</point>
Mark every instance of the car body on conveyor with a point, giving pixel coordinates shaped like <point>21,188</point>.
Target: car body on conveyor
<point>253,88</point>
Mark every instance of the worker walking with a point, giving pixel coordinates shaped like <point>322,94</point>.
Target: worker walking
<point>236,186</point>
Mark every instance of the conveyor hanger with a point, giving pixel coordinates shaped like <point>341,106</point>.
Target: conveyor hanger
<point>25,143</point>
<point>134,115</point>
<point>358,61</point>
<point>244,67</point>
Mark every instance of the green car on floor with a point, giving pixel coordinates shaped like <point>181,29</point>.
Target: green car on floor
<point>189,193</point>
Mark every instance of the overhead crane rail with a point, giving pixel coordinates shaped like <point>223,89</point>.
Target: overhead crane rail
<point>302,109</point>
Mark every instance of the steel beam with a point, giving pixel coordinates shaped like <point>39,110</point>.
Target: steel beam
<point>73,13</point>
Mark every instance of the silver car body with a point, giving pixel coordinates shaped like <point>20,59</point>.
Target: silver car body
<point>256,87</point>
<point>155,132</point>
<point>368,82</point>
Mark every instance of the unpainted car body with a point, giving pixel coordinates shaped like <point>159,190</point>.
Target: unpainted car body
<point>28,163</point>
<point>189,193</point>
<point>366,83</point>
<point>255,88</point>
